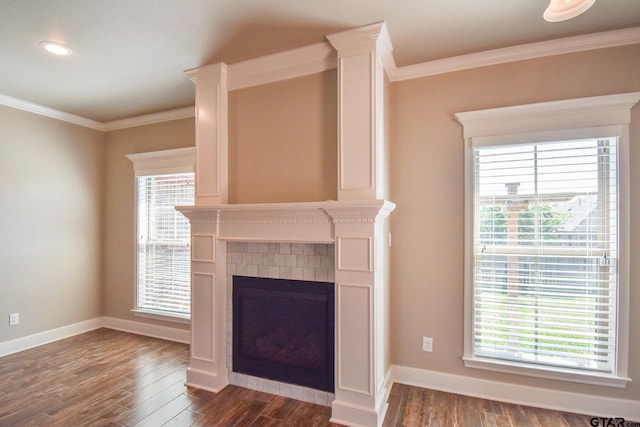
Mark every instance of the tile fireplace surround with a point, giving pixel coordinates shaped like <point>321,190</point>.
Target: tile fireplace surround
<point>295,261</point>
<point>354,228</point>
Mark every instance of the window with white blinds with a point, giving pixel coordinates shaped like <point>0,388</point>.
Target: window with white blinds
<point>546,257</point>
<point>164,256</point>
<point>163,179</point>
<point>545,253</point>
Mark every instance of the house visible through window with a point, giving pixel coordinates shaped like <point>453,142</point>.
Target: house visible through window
<point>164,180</point>
<point>546,239</point>
<point>545,279</point>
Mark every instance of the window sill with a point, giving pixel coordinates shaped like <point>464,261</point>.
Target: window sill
<point>554,373</point>
<point>162,315</point>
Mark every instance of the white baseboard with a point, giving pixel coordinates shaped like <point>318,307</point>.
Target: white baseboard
<point>139,328</point>
<point>148,329</point>
<point>494,390</point>
<point>35,340</point>
<point>597,406</point>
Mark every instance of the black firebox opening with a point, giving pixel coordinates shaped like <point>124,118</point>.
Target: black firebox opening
<point>284,330</point>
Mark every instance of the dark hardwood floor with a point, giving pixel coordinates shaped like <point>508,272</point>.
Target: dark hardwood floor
<point>111,378</point>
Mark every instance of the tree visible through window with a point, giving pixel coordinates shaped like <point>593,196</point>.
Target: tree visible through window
<point>547,239</point>
<point>545,280</point>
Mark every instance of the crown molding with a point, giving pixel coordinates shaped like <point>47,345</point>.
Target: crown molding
<point>290,64</point>
<point>31,107</point>
<point>519,53</point>
<point>148,119</point>
<point>208,75</point>
<point>321,57</point>
<point>357,40</point>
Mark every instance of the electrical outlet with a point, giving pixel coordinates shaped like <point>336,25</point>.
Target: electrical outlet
<point>14,319</point>
<point>427,344</point>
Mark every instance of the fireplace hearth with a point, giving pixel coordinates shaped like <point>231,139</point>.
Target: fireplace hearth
<point>283,330</point>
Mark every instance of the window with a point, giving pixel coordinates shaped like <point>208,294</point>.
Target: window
<point>163,263</point>
<point>546,271</point>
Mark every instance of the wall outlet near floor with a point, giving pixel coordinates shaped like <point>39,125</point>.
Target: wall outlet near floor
<point>14,319</point>
<point>427,344</point>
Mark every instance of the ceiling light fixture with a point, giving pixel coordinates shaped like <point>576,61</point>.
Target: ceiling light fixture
<point>55,48</point>
<point>561,10</point>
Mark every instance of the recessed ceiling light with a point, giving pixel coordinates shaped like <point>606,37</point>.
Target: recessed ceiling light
<point>55,48</point>
<point>561,10</point>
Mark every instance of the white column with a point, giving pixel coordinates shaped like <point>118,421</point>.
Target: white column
<point>361,111</point>
<point>360,389</point>
<point>207,368</point>
<point>211,134</point>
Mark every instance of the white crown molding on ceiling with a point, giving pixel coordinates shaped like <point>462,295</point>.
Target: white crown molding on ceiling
<point>520,53</point>
<point>321,57</point>
<point>19,104</point>
<point>148,119</point>
<point>285,65</point>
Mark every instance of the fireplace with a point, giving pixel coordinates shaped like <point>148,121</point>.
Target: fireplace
<point>354,224</point>
<point>333,241</point>
<point>283,330</point>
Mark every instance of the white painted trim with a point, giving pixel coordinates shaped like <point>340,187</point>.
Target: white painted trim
<point>45,337</point>
<point>550,372</point>
<point>139,328</point>
<point>552,121</point>
<point>161,315</point>
<point>517,393</point>
<point>290,64</point>
<point>148,119</point>
<point>148,329</point>
<point>176,160</point>
<point>518,53</point>
<point>321,57</point>
<point>468,386</point>
<point>19,104</point>
<point>564,114</point>
<point>205,380</point>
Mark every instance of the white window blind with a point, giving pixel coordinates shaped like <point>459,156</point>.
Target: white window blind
<point>164,261</point>
<point>545,253</point>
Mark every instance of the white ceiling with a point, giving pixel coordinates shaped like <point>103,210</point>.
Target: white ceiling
<point>130,55</point>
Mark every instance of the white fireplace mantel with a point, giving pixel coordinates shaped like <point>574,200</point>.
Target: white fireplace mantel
<point>287,222</point>
<point>356,228</point>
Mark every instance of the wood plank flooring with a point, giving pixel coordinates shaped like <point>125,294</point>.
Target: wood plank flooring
<point>414,406</point>
<point>111,378</point>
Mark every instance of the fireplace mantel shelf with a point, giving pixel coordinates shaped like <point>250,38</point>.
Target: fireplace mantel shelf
<point>333,208</point>
<point>290,222</point>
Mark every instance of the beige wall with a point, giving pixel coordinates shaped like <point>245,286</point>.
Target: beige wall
<point>119,221</point>
<point>427,185</point>
<point>282,141</point>
<point>51,197</point>
<point>283,148</point>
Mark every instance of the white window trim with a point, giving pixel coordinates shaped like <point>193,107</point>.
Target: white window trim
<point>594,116</point>
<point>157,163</point>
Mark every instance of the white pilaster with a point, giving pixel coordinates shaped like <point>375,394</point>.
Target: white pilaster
<point>211,134</point>
<point>207,367</point>
<point>361,53</point>
<point>360,389</point>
